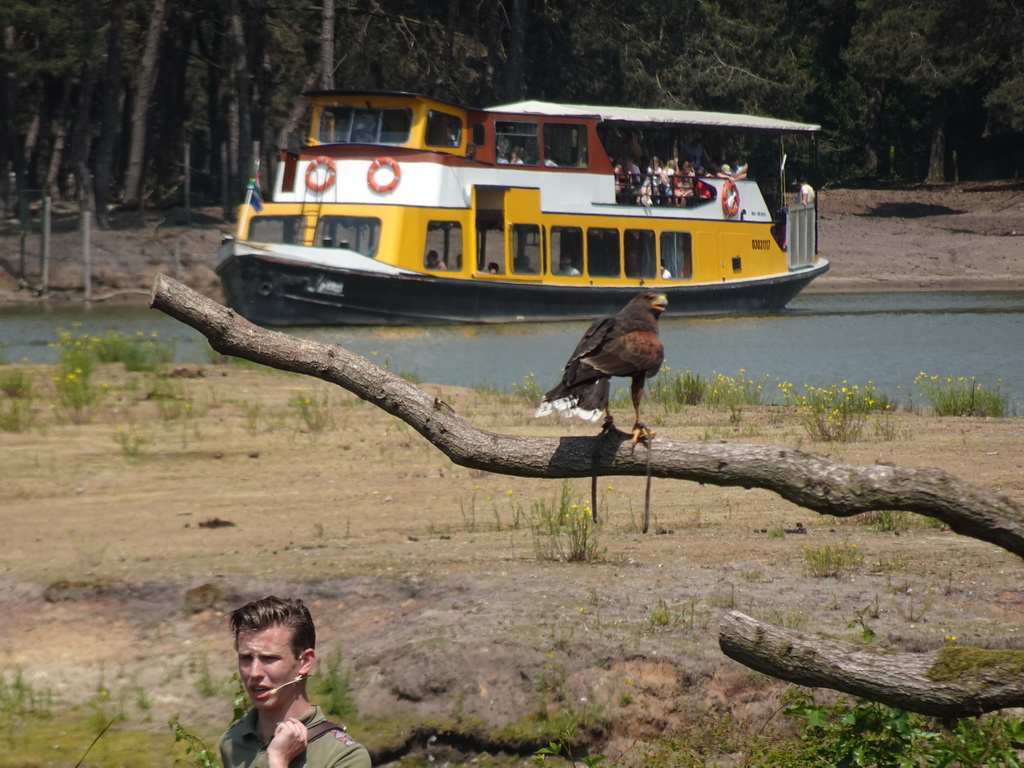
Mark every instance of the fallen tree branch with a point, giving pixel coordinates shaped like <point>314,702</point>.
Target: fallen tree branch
<point>949,682</point>
<point>809,480</point>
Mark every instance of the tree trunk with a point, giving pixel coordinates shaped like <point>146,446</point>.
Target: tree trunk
<point>937,155</point>
<point>512,77</point>
<point>110,109</point>
<point>10,148</point>
<point>444,72</point>
<point>242,117</point>
<point>492,21</point>
<point>873,133</point>
<point>949,682</point>
<point>140,123</point>
<point>58,141</point>
<point>327,46</point>
<point>300,106</point>
<point>80,138</point>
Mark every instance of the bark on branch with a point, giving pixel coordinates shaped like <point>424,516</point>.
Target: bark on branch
<point>808,480</point>
<point>949,682</point>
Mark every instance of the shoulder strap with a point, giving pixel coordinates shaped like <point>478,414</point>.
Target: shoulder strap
<point>318,730</point>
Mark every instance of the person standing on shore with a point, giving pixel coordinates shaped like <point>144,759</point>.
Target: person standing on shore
<point>275,639</point>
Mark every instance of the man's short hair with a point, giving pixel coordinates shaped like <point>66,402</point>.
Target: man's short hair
<point>273,611</point>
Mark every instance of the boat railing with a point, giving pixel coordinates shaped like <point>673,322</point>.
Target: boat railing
<point>661,189</point>
<point>801,235</point>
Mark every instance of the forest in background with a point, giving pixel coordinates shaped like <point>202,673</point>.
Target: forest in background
<point>103,102</point>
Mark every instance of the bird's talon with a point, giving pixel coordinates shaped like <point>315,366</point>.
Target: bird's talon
<point>641,433</point>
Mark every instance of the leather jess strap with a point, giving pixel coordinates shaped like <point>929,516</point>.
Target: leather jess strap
<point>318,730</point>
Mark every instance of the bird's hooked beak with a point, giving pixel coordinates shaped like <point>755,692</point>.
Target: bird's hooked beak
<point>659,303</point>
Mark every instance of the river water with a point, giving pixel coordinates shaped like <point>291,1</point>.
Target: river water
<point>821,339</point>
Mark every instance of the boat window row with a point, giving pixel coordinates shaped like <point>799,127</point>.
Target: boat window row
<point>364,125</point>
<point>606,252</point>
<point>357,233</point>
<point>344,124</point>
<point>567,251</point>
<point>555,145</point>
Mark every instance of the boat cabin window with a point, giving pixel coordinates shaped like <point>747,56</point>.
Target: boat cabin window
<point>565,145</point>
<point>515,142</point>
<point>603,252</point>
<point>676,255</point>
<point>357,233</point>
<point>566,251</point>
<point>277,229</point>
<point>443,249</point>
<point>345,125</point>
<point>526,251</point>
<point>443,130</point>
<point>641,253</point>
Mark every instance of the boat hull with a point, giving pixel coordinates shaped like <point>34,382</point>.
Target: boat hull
<point>278,292</point>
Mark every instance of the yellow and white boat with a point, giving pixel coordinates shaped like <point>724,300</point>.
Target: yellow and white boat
<point>402,209</point>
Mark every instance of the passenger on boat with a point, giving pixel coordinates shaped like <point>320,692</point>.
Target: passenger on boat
<point>364,129</point>
<point>502,150</point>
<point>635,182</point>
<point>658,183</point>
<point>492,268</point>
<point>517,156</point>
<point>696,154</point>
<point>628,148</point>
<point>805,192</point>
<point>434,261</point>
<point>729,172</point>
<point>565,267</point>
<point>621,184</point>
<point>682,183</point>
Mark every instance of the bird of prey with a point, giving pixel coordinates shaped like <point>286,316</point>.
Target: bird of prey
<point>624,344</point>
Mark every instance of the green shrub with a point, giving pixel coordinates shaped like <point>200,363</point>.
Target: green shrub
<point>871,734</point>
<point>566,530</point>
<point>836,413</point>
<point>962,396</point>
<point>673,390</point>
<point>137,352</point>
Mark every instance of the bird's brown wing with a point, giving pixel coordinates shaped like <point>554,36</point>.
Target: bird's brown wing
<point>596,335</point>
<point>637,353</point>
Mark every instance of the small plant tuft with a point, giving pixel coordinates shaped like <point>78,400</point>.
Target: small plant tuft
<point>566,530</point>
<point>832,560</point>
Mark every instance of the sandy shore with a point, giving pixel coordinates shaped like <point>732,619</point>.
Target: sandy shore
<point>934,238</point>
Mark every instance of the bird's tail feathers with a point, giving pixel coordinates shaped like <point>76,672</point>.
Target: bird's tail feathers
<point>568,406</point>
<point>588,401</point>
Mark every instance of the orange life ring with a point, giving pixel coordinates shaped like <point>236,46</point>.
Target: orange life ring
<point>319,180</point>
<point>383,162</point>
<point>730,199</point>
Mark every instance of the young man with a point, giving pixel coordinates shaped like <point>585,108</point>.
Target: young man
<point>276,641</point>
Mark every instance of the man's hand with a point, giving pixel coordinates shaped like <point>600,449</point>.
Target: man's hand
<point>289,741</point>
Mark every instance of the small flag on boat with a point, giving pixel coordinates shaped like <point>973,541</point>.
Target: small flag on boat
<point>255,198</point>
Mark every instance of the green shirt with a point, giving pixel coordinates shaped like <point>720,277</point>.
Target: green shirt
<point>240,747</point>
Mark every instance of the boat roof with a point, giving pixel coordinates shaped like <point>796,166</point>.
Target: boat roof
<point>663,116</point>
